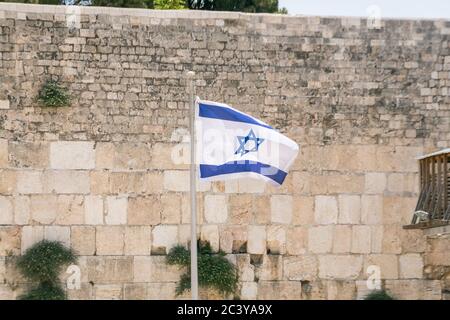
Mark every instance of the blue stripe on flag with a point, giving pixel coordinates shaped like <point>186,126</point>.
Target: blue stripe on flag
<point>207,171</point>
<point>223,113</point>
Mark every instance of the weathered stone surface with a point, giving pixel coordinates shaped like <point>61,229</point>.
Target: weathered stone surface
<point>6,209</point>
<point>349,209</point>
<point>403,183</point>
<point>30,236</point>
<point>286,289</point>
<point>256,240</point>
<point>22,210</point>
<point>3,153</point>
<point>109,269</point>
<point>144,211</point>
<point>300,268</point>
<point>296,240</point>
<point>44,208</point>
<point>29,154</point>
<point>67,182</point>
<point>30,182</point>
<point>110,240</point>
<point>233,239</point>
<point>375,183</point>
<point>93,210</point>
<point>117,209</point>
<point>411,266</point>
<point>72,155</point>
<point>83,240</point>
<point>371,209</point>
<point>164,237</point>
<point>303,211</point>
<point>387,264</point>
<point>135,291</point>
<point>70,210</point>
<point>210,233</point>
<point>249,291</point>
<point>326,210</point>
<point>57,233</point>
<point>342,239</point>
<point>9,242</point>
<point>270,269</point>
<point>171,209</point>
<point>240,209</point>
<point>8,181</point>
<point>320,239</point>
<point>361,239</point>
<point>216,209</point>
<point>138,240</point>
<point>276,240</point>
<point>398,209</point>
<point>108,292</point>
<point>344,267</point>
<point>281,208</point>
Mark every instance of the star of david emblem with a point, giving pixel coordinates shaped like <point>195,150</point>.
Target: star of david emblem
<point>249,143</point>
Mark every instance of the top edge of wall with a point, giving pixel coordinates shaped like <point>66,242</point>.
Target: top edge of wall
<point>180,14</point>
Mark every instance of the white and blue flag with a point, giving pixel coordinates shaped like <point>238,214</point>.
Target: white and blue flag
<point>232,145</point>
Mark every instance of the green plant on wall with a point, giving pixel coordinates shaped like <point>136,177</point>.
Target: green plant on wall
<point>378,295</point>
<point>52,94</point>
<point>214,270</point>
<point>42,265</point>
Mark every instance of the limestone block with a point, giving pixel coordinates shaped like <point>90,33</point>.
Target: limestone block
<point>4,104</point>
<point>72,155</point>
<point>132,156</point>
<point>30,236</point>
<point>162,272</point>
<point>164,237</point>
<point>104,155</point>
<point>9,242</point>
<point>154,182</point>
<point>93,210</point>
<point>100,183</point>
<point>281,209</point>
<point>403,183</point>
<point>29,154</point>
<point>109,240</point>
<point>303,267</point>
<point>303,211</point>
<point>109,269</point>
<point>233,239</point>
<point>8,182</point>
<point>244,186</point>
<point>161,291</point>
<point>184,234</point>
<point>142,268</point>
<point>241,208</point>
<point>342,240</point>
<point>216,209</point>
<point>276,239</point>
<point>246,270</point>
<point>320,239</point>
<point>30,182</point>
<point>256,240</point>
<point>67,182</point>
<point>398,209</point>
<point>411,266</point>
<point>108,292</point>
<point>301,182</point>
<point>186,208</point>
<point>210,233</point>
<point>405,289</point>
<point>326,210</point>
<point>175,180</point>
<point>344,267</point>
<point>271,268</point>
<point>296,240</point>
<point>261,209</point>
<point>4,153</point>
<point>70,210</point>
<point>391,239</point>
<point>171,156</point>
<point>6,292</point>
<point>2,269</point>
<point>6,209</point>
<point>171,208</point>
<point>249,291</point>
<point>117,208</point>
<point>22,212</point>
<point>135,291</point>
<point>388,264</point>
<point>371,209</point>
<point>343,184</point>
<point>349,209</point>
<point>361,239</point>
<point>128,182</point>
<point>144,211</point>
<point>286,290</point>
<point>57,233</point>
<point>84,293</point>
<point>375,183</point>
<point>44,208</point>
<point>377,238</point>
<point>413,241</point>
<point>83,240</point>
<point>138,240</point>
<point>341,290</point>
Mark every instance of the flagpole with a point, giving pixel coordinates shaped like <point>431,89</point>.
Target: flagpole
<point>194,263</point>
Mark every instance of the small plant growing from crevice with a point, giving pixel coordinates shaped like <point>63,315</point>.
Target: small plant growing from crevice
<point>53,95</point>
<point>214,270</point>
<point>42,264</point>
<point>379,295</point>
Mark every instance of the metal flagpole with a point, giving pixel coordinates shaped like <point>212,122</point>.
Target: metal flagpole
<point>194,265</point>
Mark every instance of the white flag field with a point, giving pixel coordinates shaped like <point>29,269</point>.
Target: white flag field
<point>231,145</point>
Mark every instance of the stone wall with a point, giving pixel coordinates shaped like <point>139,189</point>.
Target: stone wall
<point>362,98</point>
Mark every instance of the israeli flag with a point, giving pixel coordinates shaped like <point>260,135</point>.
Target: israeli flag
<point>232,145</point>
